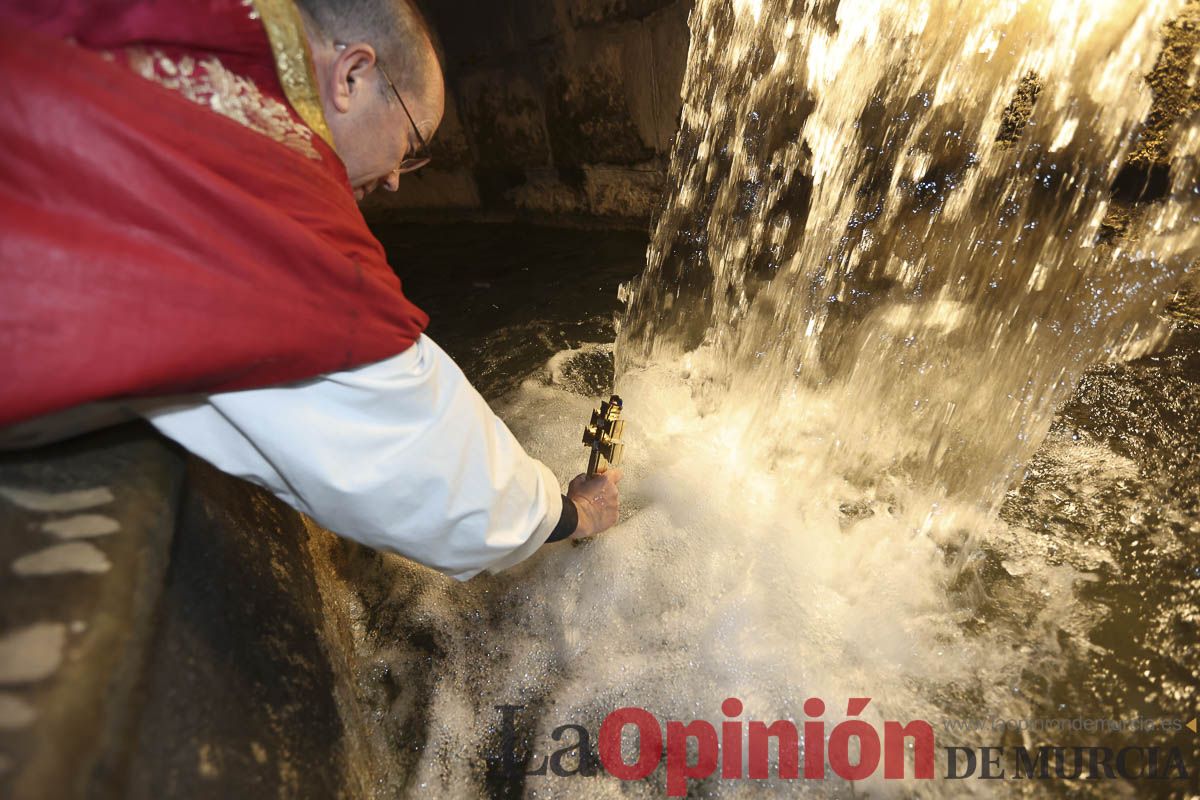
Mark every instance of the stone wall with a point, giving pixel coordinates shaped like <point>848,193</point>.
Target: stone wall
<point>557,110</point>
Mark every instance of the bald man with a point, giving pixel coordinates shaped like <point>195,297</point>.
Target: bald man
<point>351,41</point>
<point>236,299</point>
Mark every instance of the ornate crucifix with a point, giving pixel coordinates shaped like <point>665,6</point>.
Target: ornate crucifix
<point>603,436</point>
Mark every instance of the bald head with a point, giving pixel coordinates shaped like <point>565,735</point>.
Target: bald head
<point>361,49</point>
<point>397,31</point>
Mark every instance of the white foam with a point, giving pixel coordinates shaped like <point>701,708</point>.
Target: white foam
<point>729,577</point>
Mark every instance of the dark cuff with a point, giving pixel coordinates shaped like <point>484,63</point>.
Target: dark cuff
<point>567,523</point>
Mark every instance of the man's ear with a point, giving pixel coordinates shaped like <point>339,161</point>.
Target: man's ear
<point>350,69</point>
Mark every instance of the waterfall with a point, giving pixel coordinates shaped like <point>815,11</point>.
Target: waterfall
<point>906,209</point>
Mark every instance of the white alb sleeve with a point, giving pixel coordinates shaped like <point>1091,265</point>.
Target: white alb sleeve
<point>402,455</point>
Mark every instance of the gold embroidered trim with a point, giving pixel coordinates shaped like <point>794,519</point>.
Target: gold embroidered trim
<point>225,93</point>
<point>293,61</point>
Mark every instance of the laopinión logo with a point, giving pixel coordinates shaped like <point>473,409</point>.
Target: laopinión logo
<point>695,750</point>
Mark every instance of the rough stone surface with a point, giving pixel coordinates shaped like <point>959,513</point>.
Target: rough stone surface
<point>504,117</point>
<point>78,674</point>
<point>197,665</point>
<point>545,194</point>
<point>588,112</point>
<point>1175,96</point>
<point>239,694</point>
<point>541,93</point>
<point>1017,114</point>
<point>1146,176</point>
<point>610,190</point>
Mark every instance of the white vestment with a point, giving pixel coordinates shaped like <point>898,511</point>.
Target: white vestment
<point>402,455</point>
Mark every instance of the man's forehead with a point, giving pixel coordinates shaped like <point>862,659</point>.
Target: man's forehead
<point>431,97</point>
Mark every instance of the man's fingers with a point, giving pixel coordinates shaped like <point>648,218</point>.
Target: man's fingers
<point>613,474</point>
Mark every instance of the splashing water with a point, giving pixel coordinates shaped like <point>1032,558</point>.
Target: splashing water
<point>884,264</point>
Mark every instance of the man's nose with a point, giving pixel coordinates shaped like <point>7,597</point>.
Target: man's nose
<point>393,182</point>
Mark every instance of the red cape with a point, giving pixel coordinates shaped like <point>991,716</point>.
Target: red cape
<point>149,246</point>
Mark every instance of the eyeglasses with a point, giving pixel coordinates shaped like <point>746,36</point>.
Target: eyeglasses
<point>421,156</point>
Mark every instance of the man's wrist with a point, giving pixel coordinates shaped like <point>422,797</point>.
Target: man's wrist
<point>568,522</point>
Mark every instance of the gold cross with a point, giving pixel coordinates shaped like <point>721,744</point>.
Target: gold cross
<point>603,436</point>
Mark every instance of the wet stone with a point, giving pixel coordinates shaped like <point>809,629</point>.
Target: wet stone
<point>81,526</point>
<point>15,714</point>
<point>73,557</point>
<point>32,653</point>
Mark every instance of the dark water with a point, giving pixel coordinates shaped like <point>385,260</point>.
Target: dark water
<point>504,298</point>
<point>1143,653</point>
<point>1112,495</point>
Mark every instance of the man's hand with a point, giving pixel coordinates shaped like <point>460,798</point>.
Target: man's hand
<point>597,501</point>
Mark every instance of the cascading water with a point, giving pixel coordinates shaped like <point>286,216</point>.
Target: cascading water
<point>869,208</point>
<point>889,252</point>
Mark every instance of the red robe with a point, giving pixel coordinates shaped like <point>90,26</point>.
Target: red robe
<point>150,246</point>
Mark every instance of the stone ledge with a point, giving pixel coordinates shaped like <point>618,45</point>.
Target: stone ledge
<point>162,632</point>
